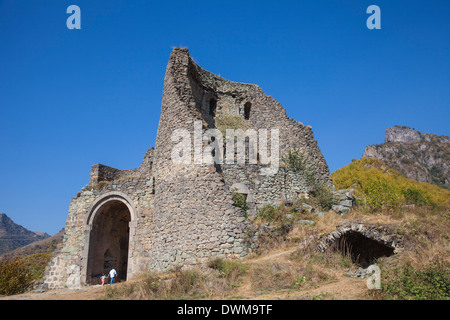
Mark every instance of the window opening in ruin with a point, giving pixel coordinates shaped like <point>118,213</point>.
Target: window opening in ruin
<point>212,107</point>
<point>247,108</point>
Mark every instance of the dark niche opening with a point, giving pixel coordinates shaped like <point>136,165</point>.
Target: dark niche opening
<point>247,108</point>
<point>362,250</point>
<point>212,107</point>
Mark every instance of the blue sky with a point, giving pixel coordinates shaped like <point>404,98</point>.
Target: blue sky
<point>73,98</point>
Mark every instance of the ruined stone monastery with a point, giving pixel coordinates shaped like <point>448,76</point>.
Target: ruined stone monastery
<point>163,214</point>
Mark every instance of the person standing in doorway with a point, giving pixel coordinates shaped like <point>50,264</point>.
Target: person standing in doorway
<point>112,274</point>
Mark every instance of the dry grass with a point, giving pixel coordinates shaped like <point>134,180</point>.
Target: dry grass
<point>426,237</point>
<point>217,280</point>
<point>425,233</point>
<point>188,284</point>
<point>229,121</point>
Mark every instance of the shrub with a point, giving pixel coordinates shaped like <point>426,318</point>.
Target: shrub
<point>430,282</point>
<point>270,213</point>
<point>186,283</point>
<point>35,264</point>
<point>380,194</point>
<point>323,196</point>
<point>229,269</point>
<point>181,284</point>
<point>299,161</point>
<point>13,277</point>
<point>240,201</point>
<point>415,196</point>
<point>279,216</point>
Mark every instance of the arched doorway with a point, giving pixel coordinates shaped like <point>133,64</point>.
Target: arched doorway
<point>109,235</point>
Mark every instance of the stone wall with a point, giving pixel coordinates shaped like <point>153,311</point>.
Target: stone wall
<point>194,217</point>
<point>284,186</point>
<point>101,173</point>
<point>265,112</point>
<point>67,265</point>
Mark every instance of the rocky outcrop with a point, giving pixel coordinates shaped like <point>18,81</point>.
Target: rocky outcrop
<point>423,157</point>
<point>406,134</point>
<point>345,201</point>
<point>401,134</point>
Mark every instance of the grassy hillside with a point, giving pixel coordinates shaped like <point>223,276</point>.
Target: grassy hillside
<point>378,186</point>
<point>283,268</point>
<point>35,256</point>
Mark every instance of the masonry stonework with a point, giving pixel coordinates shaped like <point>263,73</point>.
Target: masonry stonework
<point>165,214</point>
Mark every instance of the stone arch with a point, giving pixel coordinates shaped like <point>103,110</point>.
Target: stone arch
<point>364,243</point>
<point>109,237</point>
<point>240,188</point>
<point>113,195</point>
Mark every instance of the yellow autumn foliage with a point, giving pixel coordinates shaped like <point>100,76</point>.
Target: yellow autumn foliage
<point>383,186</point>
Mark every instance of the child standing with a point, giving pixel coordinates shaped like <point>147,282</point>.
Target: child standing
<point>103,279</point>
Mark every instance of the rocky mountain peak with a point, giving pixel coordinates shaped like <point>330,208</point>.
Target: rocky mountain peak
<point>401,134</point>
<point>13,236</point>
<point>420,156</point>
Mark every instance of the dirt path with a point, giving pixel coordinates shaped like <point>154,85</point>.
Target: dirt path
<point>85,293</point>
<point>272,256</point>
<point>342,288</point>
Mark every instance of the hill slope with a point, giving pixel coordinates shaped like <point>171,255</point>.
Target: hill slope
<point>371,177</point>
<point>13,236</point>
